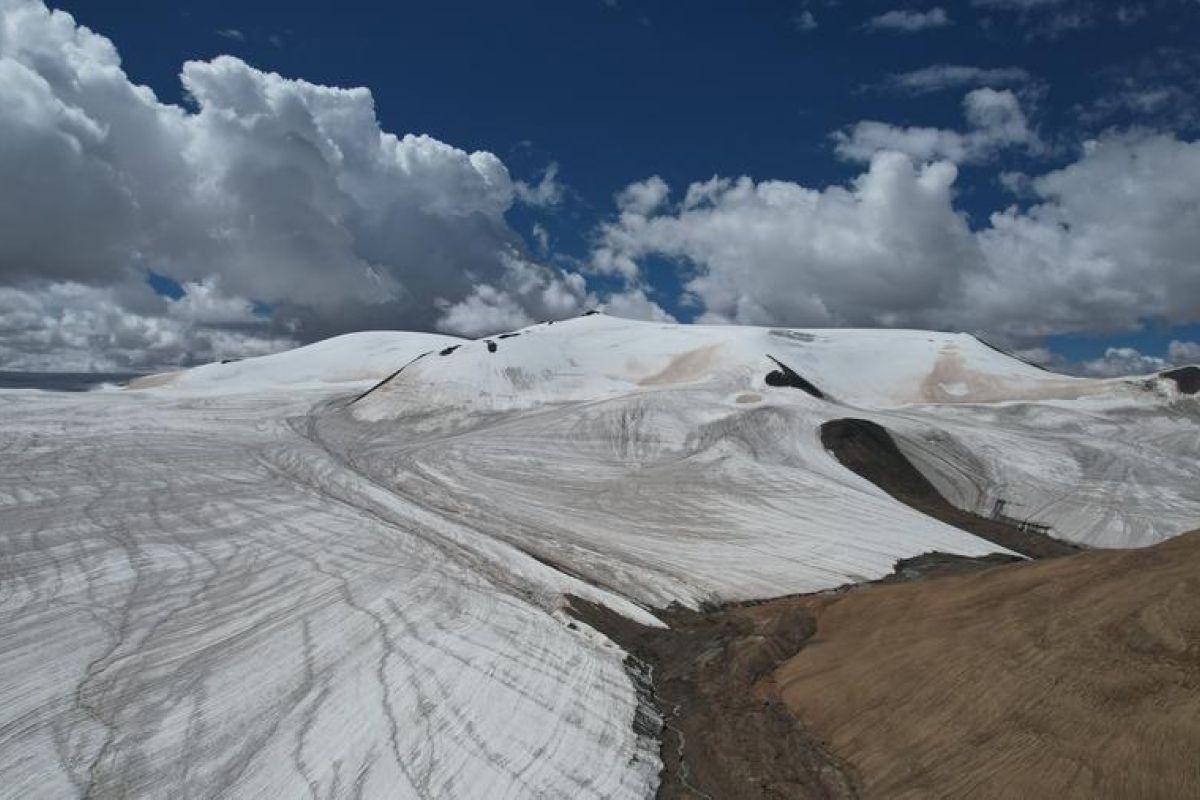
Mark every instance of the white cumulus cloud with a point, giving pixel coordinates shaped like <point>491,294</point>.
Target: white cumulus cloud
<point>909,21</point>
<point>73,327</point>
<point>1183,352</point>
<point>277,190</point>
<point>939,77</point>
<point>994,118</point>
<point>775,250</point>
<point>546,192</point>
<point>1120,361</point>
<point>1111,239</point>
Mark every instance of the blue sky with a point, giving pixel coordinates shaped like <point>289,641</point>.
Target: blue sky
<point>616,92</point>
<point>609,94</point>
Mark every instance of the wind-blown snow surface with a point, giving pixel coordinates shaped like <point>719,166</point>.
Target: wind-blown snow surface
<point>237,581</point>
<point>365,356</point>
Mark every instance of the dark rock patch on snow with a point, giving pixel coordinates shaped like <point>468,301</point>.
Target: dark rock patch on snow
<point>867,449</point>
<point>1002,351</point>
<point>1186,378</point>
<point>795,336</point>
<point>394,374</point>
<point>786,376</point>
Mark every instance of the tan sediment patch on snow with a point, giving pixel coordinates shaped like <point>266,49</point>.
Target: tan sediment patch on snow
<point>952,381</point>
<point>152,381</point>
<point>687,366</point>
<point>1075,677</point>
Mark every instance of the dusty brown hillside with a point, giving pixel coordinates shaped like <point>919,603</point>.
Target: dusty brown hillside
<point>1073,677</point>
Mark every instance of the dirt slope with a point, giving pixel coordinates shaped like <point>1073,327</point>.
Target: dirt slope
<point>1072,677</point>
<point>719,739</point>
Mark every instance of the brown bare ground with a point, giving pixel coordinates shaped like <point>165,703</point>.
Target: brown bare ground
<point>1070,677</point>
<point>718,738</point>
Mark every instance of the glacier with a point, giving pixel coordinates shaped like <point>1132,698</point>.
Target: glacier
<point>342,570</point>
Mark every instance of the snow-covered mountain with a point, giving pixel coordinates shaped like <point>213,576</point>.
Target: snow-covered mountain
<point>1105,462</point>
<point>596,357</point>
<point>364,356</point>
<point>342,569</point>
